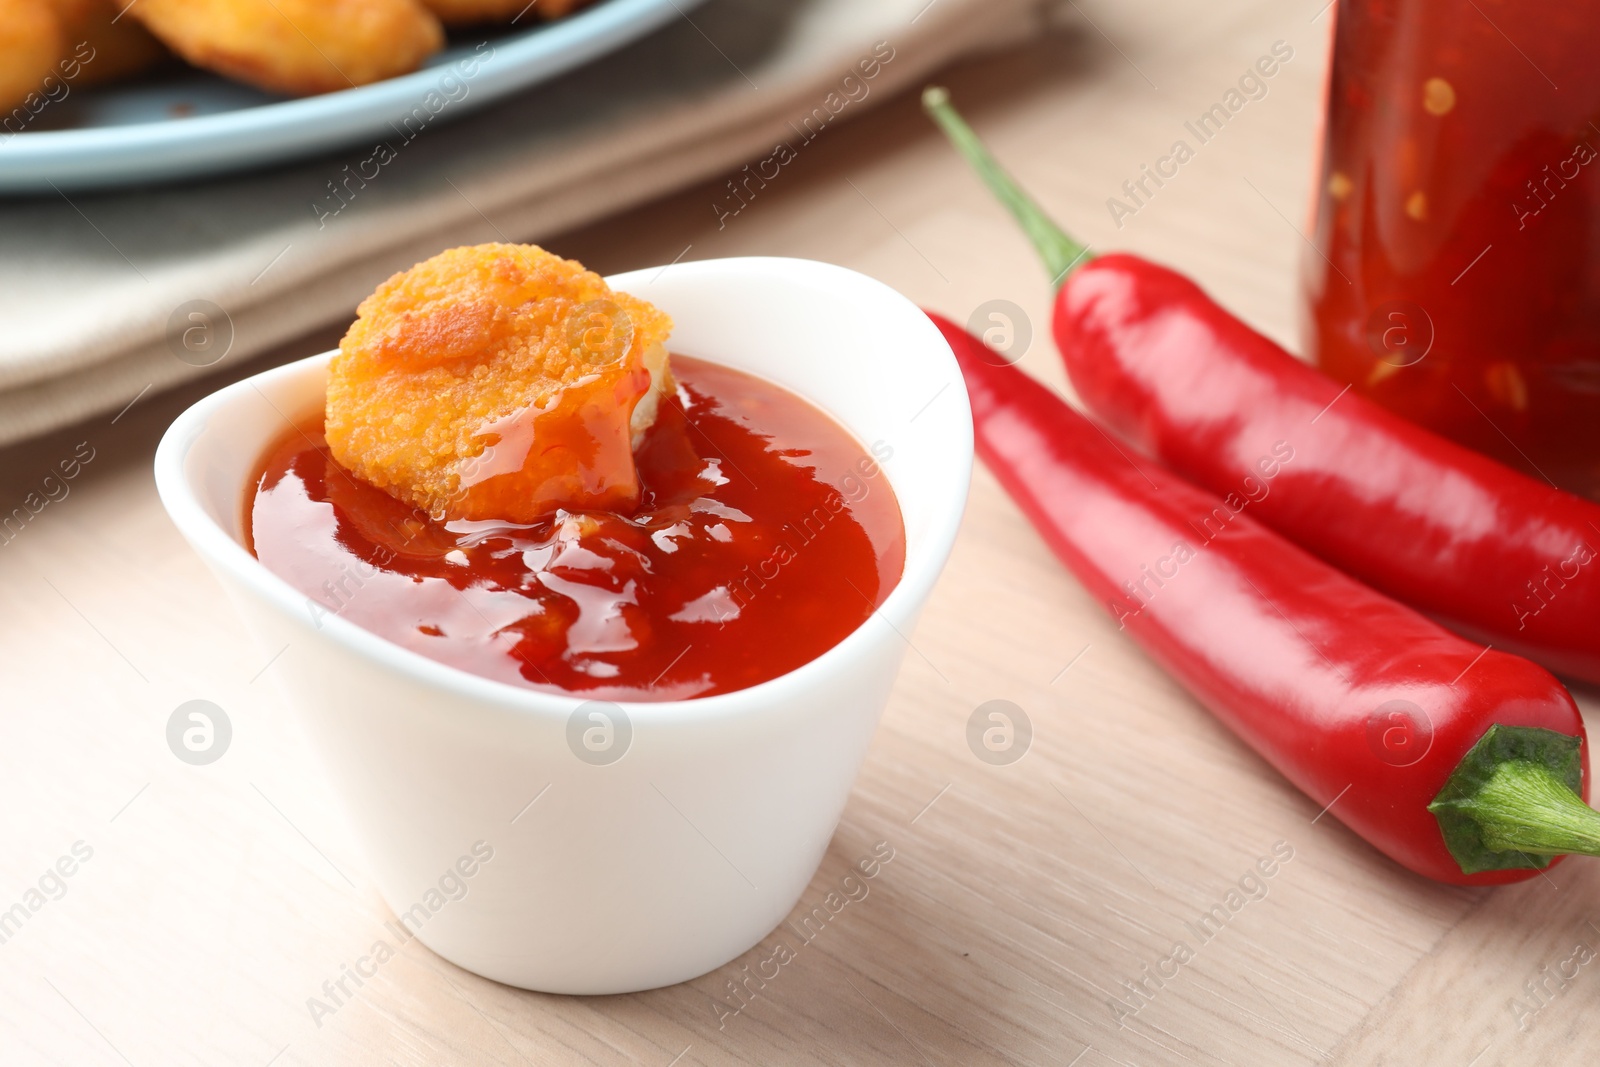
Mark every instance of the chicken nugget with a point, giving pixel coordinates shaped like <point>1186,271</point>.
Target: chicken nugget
<point>297,47</point>
<point>31,44</point>
<point>471,12</point>
<point>108,45</point>
<point>498,382</point>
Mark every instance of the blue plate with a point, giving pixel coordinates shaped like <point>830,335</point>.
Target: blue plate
<point>194,124</point>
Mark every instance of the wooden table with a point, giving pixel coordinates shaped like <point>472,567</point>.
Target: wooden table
<point>1020,899</point>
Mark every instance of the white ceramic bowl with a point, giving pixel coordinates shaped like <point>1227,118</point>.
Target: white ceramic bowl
<point>696,843</point>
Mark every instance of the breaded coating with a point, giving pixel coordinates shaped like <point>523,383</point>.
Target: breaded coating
<point>108,44</point>
<point>297,47</point>
<point>472,12</point>
<point>31,45</point>
<point>498,382</point>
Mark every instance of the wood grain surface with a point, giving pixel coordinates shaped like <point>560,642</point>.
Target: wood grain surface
<point>1021,899</point>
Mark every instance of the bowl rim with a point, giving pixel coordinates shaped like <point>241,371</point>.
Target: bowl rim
<point>920,571</point>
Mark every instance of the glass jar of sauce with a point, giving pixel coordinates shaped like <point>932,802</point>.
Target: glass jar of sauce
<point>1456,277</point>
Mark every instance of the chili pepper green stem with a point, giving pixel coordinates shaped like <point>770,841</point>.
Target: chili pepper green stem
<point>1059,252</point>
<point>1523,807</point>
<point>1515,797</point>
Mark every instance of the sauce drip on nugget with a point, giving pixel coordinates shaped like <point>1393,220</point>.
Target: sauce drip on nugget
<point>512,483</point>
<point>498,382</point>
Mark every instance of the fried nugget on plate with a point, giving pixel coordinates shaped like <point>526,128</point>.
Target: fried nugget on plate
<point>30,46</point>
<point>297,47</point>
<point>471,12</point>
<point>498,382</point>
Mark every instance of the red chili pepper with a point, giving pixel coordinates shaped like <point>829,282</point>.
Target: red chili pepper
<point>1367,706</point>
<point>1486,550</point>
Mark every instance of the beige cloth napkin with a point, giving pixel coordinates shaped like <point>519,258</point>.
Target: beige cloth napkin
<point>96,291</point>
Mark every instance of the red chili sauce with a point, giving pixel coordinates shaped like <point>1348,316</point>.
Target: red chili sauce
<point>764,535</point>
<point>1454,276</point>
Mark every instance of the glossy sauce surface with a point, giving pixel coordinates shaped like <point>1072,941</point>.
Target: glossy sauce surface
<point>764,535</point>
